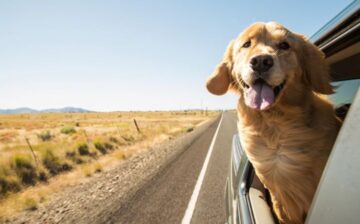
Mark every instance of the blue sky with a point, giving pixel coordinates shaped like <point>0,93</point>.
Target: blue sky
<point>130,55</point>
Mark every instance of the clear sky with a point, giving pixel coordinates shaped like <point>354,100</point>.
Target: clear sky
<point>130,55</point>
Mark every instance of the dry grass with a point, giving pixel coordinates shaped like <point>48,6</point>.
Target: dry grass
<point>91,168</point>
<point>30,204</point>
<point>83,143</point>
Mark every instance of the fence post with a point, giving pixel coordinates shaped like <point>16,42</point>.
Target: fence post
<point>32,151</point>
<point>137,127</point>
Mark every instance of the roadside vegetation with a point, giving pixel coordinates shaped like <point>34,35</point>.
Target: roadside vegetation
<point>35,148</point>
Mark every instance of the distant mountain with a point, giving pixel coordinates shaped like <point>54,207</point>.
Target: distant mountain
<point>26,110</point>
<point>66,110</point>
<point>21,110</point>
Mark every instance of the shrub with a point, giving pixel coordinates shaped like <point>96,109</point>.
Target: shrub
<point>66,166</point>
<point>45,136</point>
<point>24,169</point>
<point>43,175</point>
<point>9,184</point>
<point>101,147</point>
<point>128,138</point>
<point>78,161</point>
<point>73,156</point>
<point>51,162</point>
<point>87,170</point>
<point>108,146</point>
<point>190,129</point>
<point>30,204</point>
<point>120,155</point>
<point>68,130</point>
<point>83,149</point>
<point>119,141</point>
<point>70,154</point>
<point>93,153</point>
<point>98,168</point>
<point>114,140</point>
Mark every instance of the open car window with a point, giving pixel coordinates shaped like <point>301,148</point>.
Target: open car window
<point>345,92</point>
<point>344,96</point>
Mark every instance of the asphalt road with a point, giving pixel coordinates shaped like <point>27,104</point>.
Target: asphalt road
<point>166,197</point>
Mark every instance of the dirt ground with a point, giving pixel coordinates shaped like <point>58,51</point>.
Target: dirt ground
<point>97,197</point>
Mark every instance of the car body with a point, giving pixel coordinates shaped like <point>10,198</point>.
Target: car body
<point>337,199</point>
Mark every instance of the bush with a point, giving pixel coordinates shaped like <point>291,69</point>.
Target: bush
<point>45,136</point>
<point>9,184</point>
<point>119,141</point>
<point>66,166</point>
<point>128,138</point>
<point>98,168</point>
<point>24,169</point>
<point>70,154</point>
<point>108,146</point>
<point>51,162</point>
<point>68,130</point>
<point>87,170</point>
<point>73,156</point>
<point>189,129</point>
<point>43,176</point>
<point>101,147</point>
<point>114,140</point>
<point>78,161</point>
<point>120,155</point>
<point>30,204</point>
<point>83,149</point>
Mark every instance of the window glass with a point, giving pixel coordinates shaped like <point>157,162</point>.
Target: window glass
<point>344,92</point>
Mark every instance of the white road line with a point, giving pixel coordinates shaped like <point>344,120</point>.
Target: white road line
<point>191,206</point>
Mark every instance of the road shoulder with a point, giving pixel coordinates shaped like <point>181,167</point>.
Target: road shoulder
<point>107,192</point>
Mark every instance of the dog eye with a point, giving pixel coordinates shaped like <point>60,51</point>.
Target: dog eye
<point>246,44</point>
<point>284,45</point>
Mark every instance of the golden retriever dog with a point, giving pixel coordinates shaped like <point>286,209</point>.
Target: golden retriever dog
<point>286,125</point>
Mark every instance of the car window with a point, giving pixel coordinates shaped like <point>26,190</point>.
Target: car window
<point>344,92</point>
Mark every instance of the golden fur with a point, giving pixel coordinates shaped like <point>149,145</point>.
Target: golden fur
<point>289,142</point>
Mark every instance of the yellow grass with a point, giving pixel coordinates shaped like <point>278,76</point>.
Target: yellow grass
<point>57,156</point>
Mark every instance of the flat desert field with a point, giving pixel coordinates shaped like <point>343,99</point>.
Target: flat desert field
<point>37,148</point>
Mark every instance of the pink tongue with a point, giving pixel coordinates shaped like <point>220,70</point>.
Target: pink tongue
<point>259,96</point>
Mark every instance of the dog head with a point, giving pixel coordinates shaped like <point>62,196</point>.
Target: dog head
<point>267,64</point>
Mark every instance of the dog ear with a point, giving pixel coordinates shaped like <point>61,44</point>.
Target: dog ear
<point>316,72</point>
<point>219,81</point>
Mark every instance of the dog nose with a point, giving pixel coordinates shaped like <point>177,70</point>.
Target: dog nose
<point>261,63</point>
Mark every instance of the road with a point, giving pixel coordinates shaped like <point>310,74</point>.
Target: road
<point>167,196</point>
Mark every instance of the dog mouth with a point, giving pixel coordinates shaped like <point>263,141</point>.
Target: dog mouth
<point>260,95</point>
